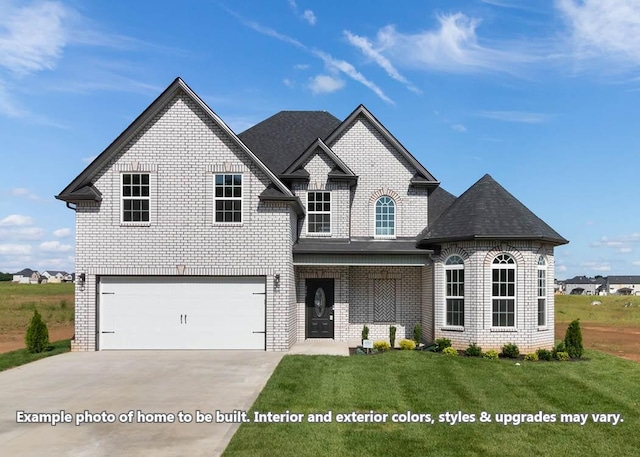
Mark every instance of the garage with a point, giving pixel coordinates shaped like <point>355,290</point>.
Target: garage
<point>156,312</point>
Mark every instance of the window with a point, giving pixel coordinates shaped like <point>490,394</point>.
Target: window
<point>135,197</point>
<point>454,294</point>
<point>228,197</point>
<point>319,212</point>
<point>385,216</point>
<point>503,291</point>
<point>542,291</point>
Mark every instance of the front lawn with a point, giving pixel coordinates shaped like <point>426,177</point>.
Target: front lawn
<point>420,382</point>
<point>22,356</point>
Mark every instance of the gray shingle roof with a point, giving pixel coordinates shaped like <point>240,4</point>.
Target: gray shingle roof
<point>585,280</point>
<point>280,139</point>
<point>624,279</point>
<point>362,246</point>
<point>439,201</point>
<point>487,211</point>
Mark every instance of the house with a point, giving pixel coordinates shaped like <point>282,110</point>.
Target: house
<point>53,276</point>
<point>623,285</point>
<point>304,226</point>
<point>26,276</point>
<point>583,285</point>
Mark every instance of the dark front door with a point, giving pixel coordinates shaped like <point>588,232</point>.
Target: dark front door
<point>319,304</point>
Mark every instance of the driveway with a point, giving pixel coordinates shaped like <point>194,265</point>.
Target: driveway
<point>145,382</point>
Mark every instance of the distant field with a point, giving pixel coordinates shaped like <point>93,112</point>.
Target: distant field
<point>612,311</point>
<point>55,302</point>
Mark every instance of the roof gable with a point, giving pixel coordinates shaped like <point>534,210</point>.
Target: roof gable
<point>81,187</point>
<point>341,170</point>
<point>280,139</point>
<point>487,211</point>
<point>423,177</point>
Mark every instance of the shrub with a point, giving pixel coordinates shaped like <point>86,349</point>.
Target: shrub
<point>562,356</point>
<point>533,357</point>
<point>558,348</point>
<point>381,345</point>
<point>392,335</point>
<point>544,354</point>
<point>37,337</point>
<point>407,345</point>
<point>451,352</point>
<point>573,340</point>
<point>365,333</point>
<point>473,350</point>
<point>442,343</point>
<point>417,334</point>
<point>511,351</point>
<point>491,354</point>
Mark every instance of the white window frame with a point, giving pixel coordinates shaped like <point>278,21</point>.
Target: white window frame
<point>507,263</point>
<point>541,287</point>
<point>223,198</point>
<point>124,198</point>
<point>375,218</point>
<point>457,267</point>
<point>330,212</point>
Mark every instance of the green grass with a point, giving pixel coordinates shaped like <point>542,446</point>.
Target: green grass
<point>611,312</point>
<point>55,302</point>
<point>22,356</point>
<point>431,383</point>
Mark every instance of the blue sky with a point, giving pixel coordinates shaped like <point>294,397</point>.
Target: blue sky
<point>544,96</point>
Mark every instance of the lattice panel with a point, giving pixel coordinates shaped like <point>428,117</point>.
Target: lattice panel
<point>384,300</point>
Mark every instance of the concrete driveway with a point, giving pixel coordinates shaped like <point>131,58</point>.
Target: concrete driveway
<point>165,382</point>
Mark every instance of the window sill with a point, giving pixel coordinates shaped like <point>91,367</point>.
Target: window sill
<point>452,328</point>
<point>503,329</point>
<point>135,224</point>
<point>543,328</point>
<point>228,224</point>
<point>319,235</point>
<point>384,237</point>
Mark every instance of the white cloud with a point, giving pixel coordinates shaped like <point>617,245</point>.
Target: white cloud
<point>301,66</point>
<point>88,159</point>
<point>561,268</point>
<point>459,128</point>
<point>324,84</point>
<point>515,116</point>
<point>625,250</point>
<point>23,192</point>
<point>596,266</point>
<point>21,233</point>
<point>33,36</point>
<point>8,106</point>
<point>453,46</point>
<point>15,220</point>
<point>309,16</point>
<point>55,246</point>
<point>366,47</point>
<point>61,233</point>
<point>349,70</point>
<point>15,249</point>
<point>607,30</point>
<point>636,263</point>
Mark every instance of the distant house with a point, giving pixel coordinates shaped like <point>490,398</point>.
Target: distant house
<point>26,276</point>
<point>623,285</point>
<point>583,285</point>
<point>69,277</point>
<point>53,276</point>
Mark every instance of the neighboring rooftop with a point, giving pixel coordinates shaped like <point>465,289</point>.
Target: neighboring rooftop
<point>585,280</point>
<point>623,279</point>
<point>487,211</point>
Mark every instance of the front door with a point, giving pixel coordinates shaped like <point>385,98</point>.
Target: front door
<point>319,305</point>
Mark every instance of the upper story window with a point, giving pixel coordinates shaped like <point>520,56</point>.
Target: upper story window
<point>319,212</point>
<point>135,197</point>
<point>454,290</point>
<point>542,291</point>
<point>503,291</point>
<point>385,216</point>
<point>228,198</point>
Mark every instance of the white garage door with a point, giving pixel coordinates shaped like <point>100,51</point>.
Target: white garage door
<point>142,312</point>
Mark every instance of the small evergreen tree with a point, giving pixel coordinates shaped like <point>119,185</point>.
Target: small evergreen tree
<point>392,335</point>
<point>573,340</point>
<point>417,334</point>
<point>37,337</point>
<point>365,333</point>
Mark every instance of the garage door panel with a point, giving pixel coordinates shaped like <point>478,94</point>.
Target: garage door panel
<point>182,313</point>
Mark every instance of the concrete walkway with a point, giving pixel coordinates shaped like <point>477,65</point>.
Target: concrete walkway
<point>321,346</point>
<point>166,382</point>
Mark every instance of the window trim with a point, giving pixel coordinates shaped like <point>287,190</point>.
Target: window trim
<point>241,199</point>
<point>507,262</point>
<point>541,286</point>
<point>330,213</point>
<point>140,198</point>
<point>375,218</point>
<point>453,267</point>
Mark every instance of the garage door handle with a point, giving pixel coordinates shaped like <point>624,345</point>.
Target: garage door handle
<point>258,332</point>
<point>108,332</point>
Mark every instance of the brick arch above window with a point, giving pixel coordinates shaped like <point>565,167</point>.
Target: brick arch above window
<point>453,250</point>
<point>503,249</point>
<point>375,195</point>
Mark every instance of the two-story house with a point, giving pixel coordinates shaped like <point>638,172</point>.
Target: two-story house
<point>303,226</point>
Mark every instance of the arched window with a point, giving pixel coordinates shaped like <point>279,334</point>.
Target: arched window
<point>503,291</point>
<point>385,216</point>
<point>542,291</point>
<point>454,290</point>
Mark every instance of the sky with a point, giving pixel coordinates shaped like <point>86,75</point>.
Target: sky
<point>544,96</point>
